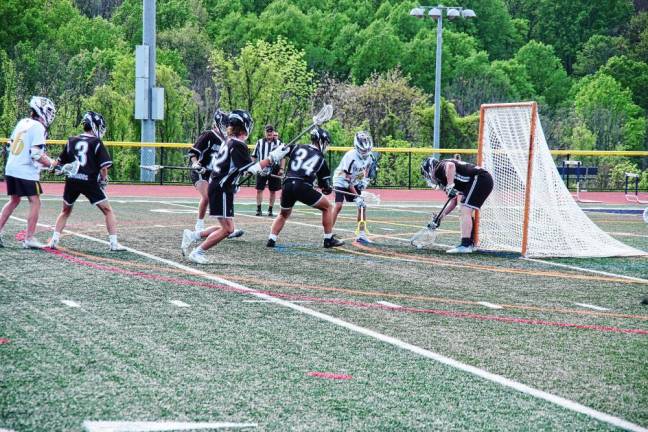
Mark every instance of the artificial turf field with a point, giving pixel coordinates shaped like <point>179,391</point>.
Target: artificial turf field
<point>378,337</point>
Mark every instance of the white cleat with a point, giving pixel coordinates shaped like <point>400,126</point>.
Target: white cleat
<point>198,256</point>
<point>461,250</point>
<point>187,241</point>
<point>117,247</point>
<point>362,238</point>
<point>32,243</point>
<point>53,244</point>
<point>236,234</point>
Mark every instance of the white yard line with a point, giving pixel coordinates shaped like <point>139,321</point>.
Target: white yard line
<point>522,388</point>
<point>589,306</point>
<point>179,303</point>
<point>149,426</point>
<point>386,303</point>
<point>71,303</point>
<point>583,269</point>
<point>268,301</point>
<point>490,305</point>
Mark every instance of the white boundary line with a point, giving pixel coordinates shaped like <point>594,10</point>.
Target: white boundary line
<point>179,303</point>
<point>150,426</point>
<point>583,269</point>
<point>506,382</point>
<point>386,303</point>
<point>590,306</point>
<point>71,303</point>
<point>490,305</point>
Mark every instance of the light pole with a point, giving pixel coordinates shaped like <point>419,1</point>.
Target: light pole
<point>436,12</point>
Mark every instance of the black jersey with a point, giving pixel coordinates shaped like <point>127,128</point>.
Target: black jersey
<point>91,154</point>
<point>206,147</point>
<point>465,174</point>
<point>232,159</point>
<point>307,163</point>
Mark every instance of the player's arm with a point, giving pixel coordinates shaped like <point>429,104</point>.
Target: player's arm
<point>451,206</point>
<point>450,171</point>
<point>199,147</point>
<point>324,178</point>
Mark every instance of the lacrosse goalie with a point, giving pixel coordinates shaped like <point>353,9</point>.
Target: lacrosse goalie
<point>459,179</point>
<point>306,164</point>
<point>27,155</point>
<point>201,156</point>
<point>232,161</point>
<point>351,177</point>
<point>91,178</point>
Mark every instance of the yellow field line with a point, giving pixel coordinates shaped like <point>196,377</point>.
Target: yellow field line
<point>312,287</point>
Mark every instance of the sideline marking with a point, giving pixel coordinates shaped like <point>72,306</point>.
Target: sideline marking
<point>268,301</point>
<point>583,269</point>
<point>589,306</point>
<point>148,426</point>
<point>179,303</point>
<point>71,303</point>
<point>491,305</point>
<point>488,376</point>
<point>386,303</point>
<point>7,430</point>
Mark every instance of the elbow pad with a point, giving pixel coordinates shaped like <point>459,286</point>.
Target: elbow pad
<point>36,153</point>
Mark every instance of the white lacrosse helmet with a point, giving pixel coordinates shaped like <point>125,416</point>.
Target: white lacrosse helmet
<point>363,144</point>
<point>96,123</point>
<point>44,108</point>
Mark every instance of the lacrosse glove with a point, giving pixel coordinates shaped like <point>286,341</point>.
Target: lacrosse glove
<point>196,166</point>
<point>103,183</point>
<point>360,202</point>
<point>451,191</point>
<point>279,153</point>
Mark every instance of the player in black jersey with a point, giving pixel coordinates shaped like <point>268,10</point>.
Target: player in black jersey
<point>473,183</point>
<point>92,178</point>
<point>232,161</point>
<point>200,159</point>
<point>307,163</point>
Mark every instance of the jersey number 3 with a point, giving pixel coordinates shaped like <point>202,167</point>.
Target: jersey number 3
<point>81,149</point>
<point>298,162</point>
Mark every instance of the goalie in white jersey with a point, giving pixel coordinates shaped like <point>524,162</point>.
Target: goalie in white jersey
<point>26,157</point>
<point>352,176</point>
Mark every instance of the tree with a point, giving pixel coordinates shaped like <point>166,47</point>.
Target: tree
<point>285,20</point>
<point>9,101</point>
<point>545,72</point>
<point>630,74</point>
<point>596,52</point>
<point>637,35</point>
<point>380,52</point>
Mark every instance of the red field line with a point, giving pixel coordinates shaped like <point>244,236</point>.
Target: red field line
<point>329,375</point>
<point>361,305</point>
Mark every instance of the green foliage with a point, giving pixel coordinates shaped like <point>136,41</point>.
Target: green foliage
<point>380,52</point>
<point>631,74</point>
<point>596,52</point>
<point>618,171</point>
<point>545,72</point>
<point>456,131</point>
<point>9,102</point>
<point>637,35</point>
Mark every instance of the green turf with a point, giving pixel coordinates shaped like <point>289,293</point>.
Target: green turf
<point>129,354</point>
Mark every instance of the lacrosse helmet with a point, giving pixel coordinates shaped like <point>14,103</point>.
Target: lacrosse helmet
<point>221,121</point>
<point>241,118</point>
<point>95,122</point>
<point>363,144</point>
<point>428,166</point>
<point>321,137</point>
<point>44,108</point>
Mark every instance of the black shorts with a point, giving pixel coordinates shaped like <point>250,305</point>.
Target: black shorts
<point>90,190</point>
<point>296,190</point>
<point>480,189</point>
<point>221,202</point>
<point>274,183</point>
<point>195,177</point>
<point>22,187</point>
<point>341,197</point>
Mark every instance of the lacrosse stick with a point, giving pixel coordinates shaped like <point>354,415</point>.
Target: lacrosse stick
<point>426,236</point>
<point>321,117</point>
<point>368,197</point>
<point>362,223</point>
<point>156,168</point>
<point>68,169</point>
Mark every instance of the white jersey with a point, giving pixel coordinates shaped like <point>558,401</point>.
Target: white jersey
<point>351,164</point>
<point>27,134</point>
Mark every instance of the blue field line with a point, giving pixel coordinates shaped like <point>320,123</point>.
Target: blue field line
<point>614,210</point>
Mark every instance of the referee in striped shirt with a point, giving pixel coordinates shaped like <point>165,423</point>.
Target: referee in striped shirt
<point>262,149</point>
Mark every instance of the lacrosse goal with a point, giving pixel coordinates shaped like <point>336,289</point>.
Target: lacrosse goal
<point>530,210</point>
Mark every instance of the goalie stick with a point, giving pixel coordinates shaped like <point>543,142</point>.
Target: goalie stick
<point>427,235</point>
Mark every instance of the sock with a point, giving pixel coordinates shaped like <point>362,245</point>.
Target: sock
<point>328,235</point>
<point>272,237</point>
<point>270,208</point>
<point>200,224</point>
<point>258,208</point>
<point>465,241</point>
<point>196,235</point>
<point>56,236</point>
<point>113,238</point>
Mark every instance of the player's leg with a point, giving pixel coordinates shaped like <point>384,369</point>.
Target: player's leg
<point>7,210</point>
<point>111,225</point>
<point>288,200</point>
<point>215,237</point>
<point>327,210</point>
<point>202,186</point>
<point>271,201</point>
<point>221,205</point>
<point>71,192</point>
<point>479,191</point>
<point>32,221</point>
<point>274,185</point>
<point>260,187</point>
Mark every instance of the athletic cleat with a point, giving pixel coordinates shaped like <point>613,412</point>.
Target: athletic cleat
<point>117,247</point>
<point>259,213</point>
<point>332,242</point>
<point>187,241</point>
<point>1,240</point>
<point>461,249</point>
<point>32,243</point>
<point>270,214</point>
<point>198,256</point>
<point>271,243</point>
<point>53,244</point>
<point>200,226</point>
<point>362,238</point>
<point>236,234</point>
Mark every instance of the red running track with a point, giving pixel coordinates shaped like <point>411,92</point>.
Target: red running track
<point>386,195</point>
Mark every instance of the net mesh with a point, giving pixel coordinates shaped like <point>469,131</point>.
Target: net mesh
<point>557,225</point>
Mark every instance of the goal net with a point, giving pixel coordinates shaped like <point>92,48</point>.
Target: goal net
<point>530,210</point>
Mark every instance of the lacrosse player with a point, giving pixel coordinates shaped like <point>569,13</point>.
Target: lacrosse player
<point>232,161</point>
<point>200,159</point>
<point>27,155</point>
<point>90,180</point>
<point>352,176</point>
<point>306,163</point>
<point>261,151</point>
<point>473,183</point>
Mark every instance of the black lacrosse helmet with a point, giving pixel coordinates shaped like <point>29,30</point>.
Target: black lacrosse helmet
<point>221,121</point>
<point>321,137</point>
<point>95,122</point>
<point>241,118</point>
<point>428,166</point>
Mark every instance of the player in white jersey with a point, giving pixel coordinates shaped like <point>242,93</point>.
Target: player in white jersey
<point>352,176</point>
<point>27,156</point>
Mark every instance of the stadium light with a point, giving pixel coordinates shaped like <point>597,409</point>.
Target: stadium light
<point>436,12</point>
